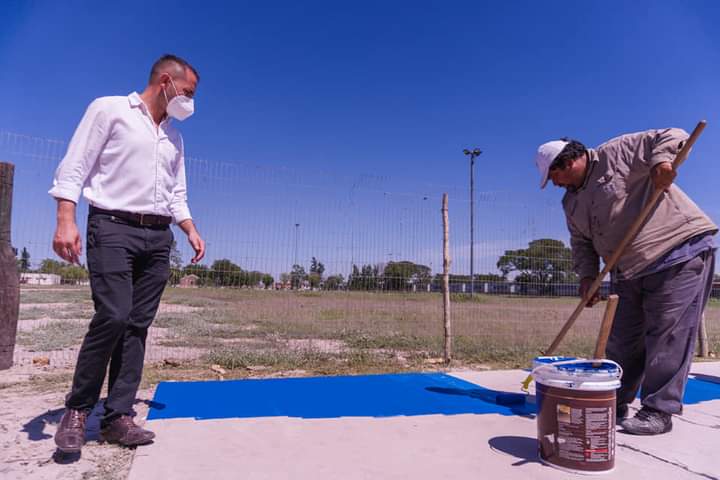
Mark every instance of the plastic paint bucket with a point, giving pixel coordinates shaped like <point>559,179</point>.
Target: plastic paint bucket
<point>576,414</point>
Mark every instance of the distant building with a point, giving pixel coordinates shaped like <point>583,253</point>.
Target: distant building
<point>39,278</point>
<point>189,281</point>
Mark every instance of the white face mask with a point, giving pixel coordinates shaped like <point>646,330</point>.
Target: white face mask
<point>180,106</point>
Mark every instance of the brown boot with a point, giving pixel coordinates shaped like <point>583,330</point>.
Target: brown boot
<point>70,435</point>
<point>123,430</point>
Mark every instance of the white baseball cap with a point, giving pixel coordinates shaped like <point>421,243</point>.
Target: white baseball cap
<point>546,154</point>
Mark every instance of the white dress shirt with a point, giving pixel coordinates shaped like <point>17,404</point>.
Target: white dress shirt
<point>120,160</point>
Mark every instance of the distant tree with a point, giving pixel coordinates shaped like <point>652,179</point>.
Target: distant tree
<point>317,267</point>
<point>74,274</point>
<point>176,264</point>
<point>354,279</point>
<point>405,275</point>
<point>334,282</point>
<point>68,273</point>
<point>315,279</point>
<point>24,264</point>
<point>545,262</point>
<point>268,280</point>
<point>225,273</point>
<point>365,278</point>
<point>251,279</point>
<point>176,260</point>
<point>48,265</point>
<point>284,278</point>
<point>297,276</point>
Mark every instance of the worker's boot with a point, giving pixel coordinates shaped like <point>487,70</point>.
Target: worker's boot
<point>648,421</point>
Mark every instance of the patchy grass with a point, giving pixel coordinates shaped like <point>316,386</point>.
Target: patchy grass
<point>308,361</point>
<point>54,294</point>
<point>309,294</point>
<point>405,342</point>
<point>53,336</point>
<point>379,331</point>
<point>495,330</point>
<point>64,312</point>
<point>51,382</point>
<point>154,374</point>
<point>33,313</point>
<point>234,358</point>
<point>331,314</point>
<point>466,297</point>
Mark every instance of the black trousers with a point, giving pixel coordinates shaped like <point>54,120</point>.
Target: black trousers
<point>129,267</point>
<point>653,336</point>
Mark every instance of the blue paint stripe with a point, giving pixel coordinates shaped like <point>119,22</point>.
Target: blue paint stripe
<point>405,394</point>
<point>332,397</point>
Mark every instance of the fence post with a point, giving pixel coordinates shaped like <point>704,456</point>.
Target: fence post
<point>446,280</point>
<point>9,281</point>
<point>704,348</point>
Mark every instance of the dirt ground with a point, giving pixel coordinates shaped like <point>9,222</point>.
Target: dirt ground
<point>32,404</point>
<point>310,334</point>
<point>32,395</point>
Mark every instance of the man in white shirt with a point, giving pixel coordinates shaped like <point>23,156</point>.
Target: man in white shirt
<point>127,160</point>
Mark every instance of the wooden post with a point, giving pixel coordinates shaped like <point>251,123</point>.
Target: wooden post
<point>446,280</point>
<point>9,281</point>
<point>703,347</point>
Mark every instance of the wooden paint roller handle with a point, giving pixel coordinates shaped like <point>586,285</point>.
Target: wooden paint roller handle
<point>606,326</point>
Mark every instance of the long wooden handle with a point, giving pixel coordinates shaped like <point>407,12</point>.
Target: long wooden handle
<point>606,326</point>
<point>629,236</point>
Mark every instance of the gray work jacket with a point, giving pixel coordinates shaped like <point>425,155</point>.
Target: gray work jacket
<point>616,188</point>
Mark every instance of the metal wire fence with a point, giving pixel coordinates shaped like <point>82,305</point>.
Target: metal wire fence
<point>309,268</point>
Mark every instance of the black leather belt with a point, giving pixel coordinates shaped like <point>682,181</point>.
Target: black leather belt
<point>142,219</point>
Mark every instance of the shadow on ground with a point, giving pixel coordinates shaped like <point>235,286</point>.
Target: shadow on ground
<point>525,449</point>
<point>35,428</point>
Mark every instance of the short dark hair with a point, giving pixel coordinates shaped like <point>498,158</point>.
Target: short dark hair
<point>170,58</point>
<point>572,150</point>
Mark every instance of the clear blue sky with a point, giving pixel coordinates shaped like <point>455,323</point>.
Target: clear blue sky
<point>393,88</point>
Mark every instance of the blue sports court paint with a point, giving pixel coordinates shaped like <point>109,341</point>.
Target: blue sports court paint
<point>701,388</point>
<point>331,397</point>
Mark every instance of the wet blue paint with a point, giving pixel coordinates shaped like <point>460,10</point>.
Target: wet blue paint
<point>332,397</point>
<point>356,396</point>
<point>701,388</point>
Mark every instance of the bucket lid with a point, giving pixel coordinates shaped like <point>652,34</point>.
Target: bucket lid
<point>580,374</point>
<point>603,368</point>
<point>537,361</point>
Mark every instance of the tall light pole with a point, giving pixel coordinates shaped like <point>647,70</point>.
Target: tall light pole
<point>474,153</point>
<point>297,227</point>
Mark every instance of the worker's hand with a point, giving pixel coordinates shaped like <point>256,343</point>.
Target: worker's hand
<point>663,175</point>
<point>585,285</point>
<point>67,243</point>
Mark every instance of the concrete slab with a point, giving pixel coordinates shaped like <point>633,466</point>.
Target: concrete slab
<point>466,445</point>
